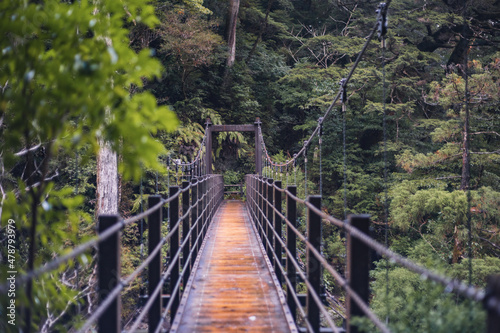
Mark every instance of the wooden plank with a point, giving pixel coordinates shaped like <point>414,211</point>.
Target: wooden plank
<point>232,288</point>
<point>233,128</point>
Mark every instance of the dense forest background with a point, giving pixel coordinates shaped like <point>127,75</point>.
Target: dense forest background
<point>141,78</point>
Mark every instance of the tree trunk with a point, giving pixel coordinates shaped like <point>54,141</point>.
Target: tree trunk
<point>232,18</point>
<point>107,180</point>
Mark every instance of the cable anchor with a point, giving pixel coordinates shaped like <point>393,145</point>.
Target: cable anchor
<point>381,22</point>
<point>343,93</point>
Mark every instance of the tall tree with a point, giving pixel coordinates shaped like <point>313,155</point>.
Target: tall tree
<point>231,22</point>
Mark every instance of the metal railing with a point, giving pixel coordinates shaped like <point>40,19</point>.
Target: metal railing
<point>191,209</point>
<point>264,200</point>
<point>197,201</point>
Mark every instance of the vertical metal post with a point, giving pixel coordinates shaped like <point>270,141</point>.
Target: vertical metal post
<point>277,229</point>
<point>313,265</point>
<point>493,289</point>
<point>208,151</point>
<point>194,218</point>
<point>291,244</point>
<point>253,194</point>
<point>358,266</point>
<point>263,222</point>
<point>174,248</point>
<point>186,269</point>
<point>270,217</point>
<point>199,230</point>
<point>109,275</point>
<point>213,197</point>
<point>258,148</point>
<point>154,268</point>
<point>260,208</point>
<point>205,210</point>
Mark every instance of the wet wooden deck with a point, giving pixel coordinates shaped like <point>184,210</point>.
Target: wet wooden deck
<point>232,288</point>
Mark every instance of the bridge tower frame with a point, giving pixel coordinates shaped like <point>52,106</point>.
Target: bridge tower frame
<point>211,128</point>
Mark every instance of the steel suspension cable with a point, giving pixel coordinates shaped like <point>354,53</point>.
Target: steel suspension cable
<point>343,87</point>
<point>467,143</point>
<point>305,169</point>
<point>382,30</point>
<point>320,133</point>
<point>348,78</point>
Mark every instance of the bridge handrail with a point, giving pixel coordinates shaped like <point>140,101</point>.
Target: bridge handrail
<point>258,211</point>
<point>208,198</point>
<point>167,272</point>
<point>343,283</point>
<point>55,263</point>
<point>209,194</point>
<point>297,267</point>
<point>452,285</point>
<point>319,257</point>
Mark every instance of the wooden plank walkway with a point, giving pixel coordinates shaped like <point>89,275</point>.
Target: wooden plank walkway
<point>232,288</point>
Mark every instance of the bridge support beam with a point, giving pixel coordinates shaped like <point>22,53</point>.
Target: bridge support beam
<point>261,195</point>
<point>277,229</point>
<point>194,219</point>
<point>154,268</point>
<point>291,244</point>
<point>258,148</point>
<point>313,265</point>
<point>208,150</point>
<point>186,225</point>
<point>269,223</point>
<point>232,128</point>
<point>109,275</point>
<point>174,248</point>
<point>493,321</point>
<point>358,267</point>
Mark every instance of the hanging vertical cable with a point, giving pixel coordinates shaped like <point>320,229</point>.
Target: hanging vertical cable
<point>77,189</point>
<point>286,174</point>
<point>168,171</point>
<point>382,31</point>
<point>343,99</point>
<point>305,169</point>
<point>142,222</point>
<point>320,134</point>
<point>295,167</point>
<point>467,142</point>
<point>156,192</point>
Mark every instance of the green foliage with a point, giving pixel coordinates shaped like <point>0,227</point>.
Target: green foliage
<point>69,78</point>
<point>412,206</point>
<point>416,305</point>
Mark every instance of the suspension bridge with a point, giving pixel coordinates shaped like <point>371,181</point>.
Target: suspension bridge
<point>234,265</point>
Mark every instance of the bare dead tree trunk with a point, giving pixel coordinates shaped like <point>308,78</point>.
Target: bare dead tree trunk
<point>107,180</point>
<point>232,18</point>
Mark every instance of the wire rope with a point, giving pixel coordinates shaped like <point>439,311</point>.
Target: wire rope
<point>382,31</point>
<point>348,78</point>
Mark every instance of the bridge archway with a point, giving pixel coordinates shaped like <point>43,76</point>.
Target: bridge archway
<point>233,128</point>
